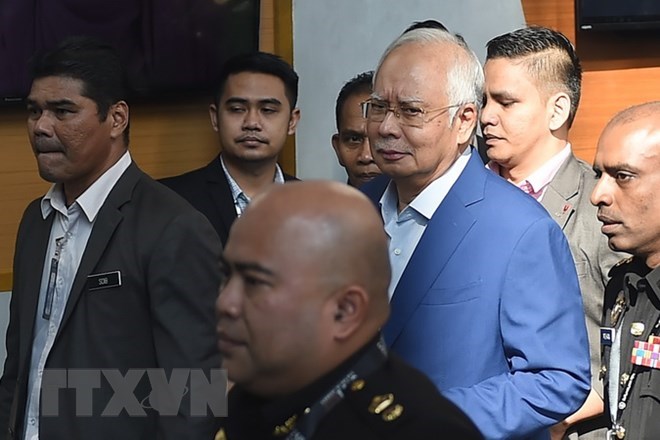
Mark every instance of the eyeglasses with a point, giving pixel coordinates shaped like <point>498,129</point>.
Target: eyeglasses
<point>375,111</point>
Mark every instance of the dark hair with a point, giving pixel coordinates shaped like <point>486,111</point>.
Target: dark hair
<point>426,24</point>
<point>361,83</point>
<point>260,62</point>
<point>549,57</point>
<point>95,63</point>
<point>435,24</point>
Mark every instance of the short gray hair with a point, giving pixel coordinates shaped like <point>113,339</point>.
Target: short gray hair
<point>465,78</point>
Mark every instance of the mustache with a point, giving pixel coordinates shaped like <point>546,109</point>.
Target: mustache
<point>605,217</point>
<point>251,137</point>
<point>382,145</point>
<point>47,146</point>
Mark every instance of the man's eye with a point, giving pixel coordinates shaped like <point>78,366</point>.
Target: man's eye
<point>623,177</point>
<point>378,107</point>
<point>355,139</point>
<point>236,109</point>
<point>253,281</point>
<point>268,110</point>
<point>411,111</point>
<point>62,112</point>
<point>34,112</point>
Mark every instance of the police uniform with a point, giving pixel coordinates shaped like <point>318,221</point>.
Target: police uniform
<point>632,309</point>
<point>392,401</point>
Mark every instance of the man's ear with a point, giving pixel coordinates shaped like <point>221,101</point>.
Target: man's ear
<point>335,146</point>
<point>349,306</point>
<point>213,114</point>
<point>559,109</point>
<point>118,114</point>
<point>293,121</point>
<point>466,118</point>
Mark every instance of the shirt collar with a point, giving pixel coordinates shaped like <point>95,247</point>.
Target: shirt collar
<point>430,198</point>
<point>93,198</point>
<point>236,190</point>
<point>543,175</point>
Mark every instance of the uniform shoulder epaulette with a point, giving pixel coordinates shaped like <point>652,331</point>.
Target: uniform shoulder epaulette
<point>620,264</point>
<point>623,261</point>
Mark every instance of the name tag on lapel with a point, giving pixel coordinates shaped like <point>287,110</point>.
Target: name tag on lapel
<point>98,281</point>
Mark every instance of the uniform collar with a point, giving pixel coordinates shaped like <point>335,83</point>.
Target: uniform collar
<point>276,412</point>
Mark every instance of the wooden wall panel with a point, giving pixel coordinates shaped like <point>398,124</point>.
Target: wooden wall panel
<point>620,69</point>
<point>166,139</point>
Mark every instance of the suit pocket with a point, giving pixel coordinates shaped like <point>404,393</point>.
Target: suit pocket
<point>446,295</point>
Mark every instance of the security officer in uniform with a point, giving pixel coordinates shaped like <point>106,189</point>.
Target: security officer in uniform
<point>299,315</point>
<point>627,165</point>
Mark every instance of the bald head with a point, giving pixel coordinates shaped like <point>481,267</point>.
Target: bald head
<point>333,226</point>
<point>635,113</point>
<point>627,164</point>
<point>307,277</point>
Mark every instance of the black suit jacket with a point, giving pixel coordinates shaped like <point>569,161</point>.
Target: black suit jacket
<point>207,189</point>
<point>417,410</point>
<point>160,317</point>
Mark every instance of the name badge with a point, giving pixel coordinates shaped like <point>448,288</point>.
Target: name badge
<point>105,280</point>
<point>606,336</point>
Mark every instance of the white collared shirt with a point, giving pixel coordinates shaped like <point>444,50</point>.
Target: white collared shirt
<point>72,226</point>
<point>405,228</point>
<point>241,200</point>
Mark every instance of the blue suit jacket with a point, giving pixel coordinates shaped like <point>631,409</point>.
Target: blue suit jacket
<point>489,308</point>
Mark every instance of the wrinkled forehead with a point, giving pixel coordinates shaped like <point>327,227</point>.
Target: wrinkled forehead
<point>412,72</point>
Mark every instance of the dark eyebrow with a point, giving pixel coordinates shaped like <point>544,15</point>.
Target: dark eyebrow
<point>611,169</point>
<point>265,101</point>
<point>348,132</point>
<point>253,267</point>
<point>56,103</point>
<point>506,96</point>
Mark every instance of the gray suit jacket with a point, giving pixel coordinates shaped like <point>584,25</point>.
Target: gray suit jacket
<point>161,316</point>
<point>567,201</point>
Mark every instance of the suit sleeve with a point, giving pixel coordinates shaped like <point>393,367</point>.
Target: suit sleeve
<point>10,372</point>
<point>184,276</point>
<point>9,380</point>
<point>545,342</point>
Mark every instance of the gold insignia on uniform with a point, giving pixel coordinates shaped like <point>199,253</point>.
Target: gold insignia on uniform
<point>618,308</point>
<point>220,435</point>
<point>392,413</point>
<point>379,403</point>
<point>620,431</point>
<point>624,261</point>
<point>602,372</point>
<point>637,328</point>
<point>286,427</point>
<point>357,385</point>
<point>624,379</point>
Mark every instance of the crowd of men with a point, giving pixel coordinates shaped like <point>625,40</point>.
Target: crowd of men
<point>516,297</point>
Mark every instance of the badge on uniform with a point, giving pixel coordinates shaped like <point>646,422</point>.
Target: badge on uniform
<point>647,354</point>
<point>606,336</point>
<point>97,281</point>
<point>617,310</point>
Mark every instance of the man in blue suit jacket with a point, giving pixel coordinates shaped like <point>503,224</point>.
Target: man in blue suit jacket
<point>484,294</point>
